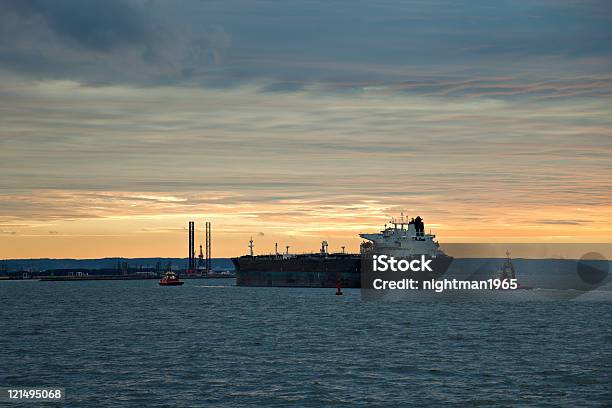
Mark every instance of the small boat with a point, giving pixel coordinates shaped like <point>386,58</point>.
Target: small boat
<point>170,279</point>
<point>507,272</point>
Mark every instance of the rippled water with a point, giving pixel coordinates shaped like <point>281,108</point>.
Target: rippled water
<point>209,343</point>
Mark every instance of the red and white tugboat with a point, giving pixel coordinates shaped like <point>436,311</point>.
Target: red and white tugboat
<point>170,279</point>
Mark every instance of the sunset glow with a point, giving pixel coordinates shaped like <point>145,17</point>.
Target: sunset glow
<point>505,144</point>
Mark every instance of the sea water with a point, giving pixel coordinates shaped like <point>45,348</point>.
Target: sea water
<point>210,343</point>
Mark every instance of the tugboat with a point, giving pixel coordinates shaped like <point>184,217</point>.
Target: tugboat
<point>507,272</point>
<point>170,279</point>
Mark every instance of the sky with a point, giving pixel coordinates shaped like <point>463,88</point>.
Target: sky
<point>300,121</point>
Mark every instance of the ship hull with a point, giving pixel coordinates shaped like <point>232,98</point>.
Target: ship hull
<point>315,271</point>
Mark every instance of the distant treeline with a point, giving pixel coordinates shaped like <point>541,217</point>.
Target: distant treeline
<point>103,264</point>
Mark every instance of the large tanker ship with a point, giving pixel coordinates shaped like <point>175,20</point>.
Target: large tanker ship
<point>400,238</point>
<point>321,269</point>
<point>407,239</point>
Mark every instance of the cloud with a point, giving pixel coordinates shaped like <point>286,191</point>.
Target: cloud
<point>224,44</point>
<point>562,222</point>
<point>314,118</point>
<point>114,41</point>
<point>159,144</point>
<point>93,25</point>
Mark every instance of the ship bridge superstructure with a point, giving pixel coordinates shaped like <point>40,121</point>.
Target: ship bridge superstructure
<point>403,238</point>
